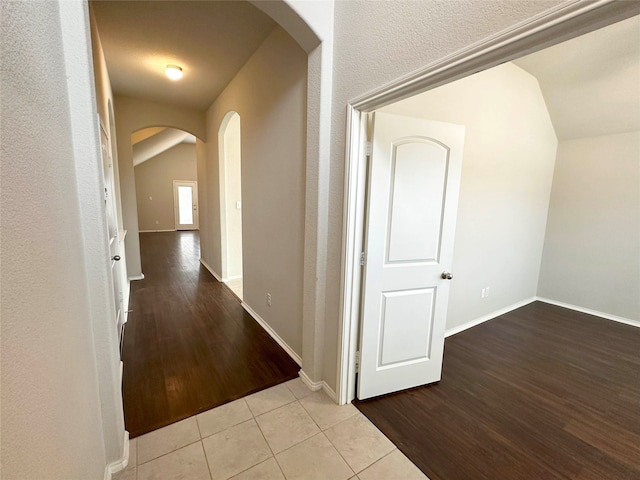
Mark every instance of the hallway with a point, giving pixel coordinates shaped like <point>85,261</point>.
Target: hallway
<point>189,345</point>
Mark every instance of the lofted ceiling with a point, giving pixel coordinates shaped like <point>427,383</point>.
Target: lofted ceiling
<point>210,40</point>
<point>591,84</point>
<point>151,142</point>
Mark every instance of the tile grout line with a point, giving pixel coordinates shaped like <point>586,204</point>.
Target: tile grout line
<point>340,453</point>
<point>341,456</point>
<point>330,426</point>
<point>288,448</point>
<point>206,459</point>
<point>395,447</point>
<point>254,418</point>
<point>382,458</point>
<point>267,442</point>
<point>169,453</point>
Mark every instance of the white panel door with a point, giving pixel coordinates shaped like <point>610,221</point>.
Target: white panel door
<point>414,180</point>
<point>112,227</point>
<point>185,203</point>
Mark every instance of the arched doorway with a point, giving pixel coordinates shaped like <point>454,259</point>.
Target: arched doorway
<point>165,171</point>
<point>231,201</point>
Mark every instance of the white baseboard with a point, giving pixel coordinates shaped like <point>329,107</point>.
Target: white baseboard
<point>315,386</point>
<point>311,385</point>
<point>607,316</point>
<point>228,279</point>
<point>273,334</point>
<point>211,270</point>
<point>119,465</point>
<point>157,231</point>
<point>487,317</point>
<point>133,278</point>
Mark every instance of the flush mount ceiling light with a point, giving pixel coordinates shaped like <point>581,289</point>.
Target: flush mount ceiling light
<point>174,72</point>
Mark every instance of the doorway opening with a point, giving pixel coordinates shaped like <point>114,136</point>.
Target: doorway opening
<point>230,153</point>
<point>498,51</point>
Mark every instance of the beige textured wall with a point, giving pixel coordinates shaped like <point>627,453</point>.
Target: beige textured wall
<point>592,247</point>
<point>58,405</point>
<point>154,178</point>
<point>269,93</point>
<point>507,169</point>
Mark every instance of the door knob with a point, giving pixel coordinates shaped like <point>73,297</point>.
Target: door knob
<point>447,275</point>
<point>116,258</point>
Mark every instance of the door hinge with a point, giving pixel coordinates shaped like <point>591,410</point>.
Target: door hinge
<point>363,259</point>
<point>357,361</point>
<point>368,149</point>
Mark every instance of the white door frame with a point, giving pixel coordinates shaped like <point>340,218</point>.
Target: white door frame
<point>553,26</point>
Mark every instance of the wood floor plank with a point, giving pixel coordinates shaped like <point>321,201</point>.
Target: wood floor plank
<point>189,346</point>
<point>539,393</point>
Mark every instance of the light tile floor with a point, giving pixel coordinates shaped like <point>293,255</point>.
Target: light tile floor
<point>284,433</point>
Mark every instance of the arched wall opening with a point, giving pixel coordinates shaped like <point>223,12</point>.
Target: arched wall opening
<point>230,164</point>
<point>165,171</point>
<point>133,115</point>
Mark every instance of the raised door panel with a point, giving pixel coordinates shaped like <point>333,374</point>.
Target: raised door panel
<point>418,176</point>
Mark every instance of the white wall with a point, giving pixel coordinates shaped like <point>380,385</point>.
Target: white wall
<point>154,178</point>
<point>56,395</point>
<point>507,169</point>
<point>269,94</point>
<point>592,247</point>
<point>231,189</point>
<point>134,114</point>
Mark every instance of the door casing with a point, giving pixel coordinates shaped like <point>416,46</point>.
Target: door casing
<point>566,21</point>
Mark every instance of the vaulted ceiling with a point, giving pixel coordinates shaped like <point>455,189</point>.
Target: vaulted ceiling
<point>210,40</point>
<point>591,84</point>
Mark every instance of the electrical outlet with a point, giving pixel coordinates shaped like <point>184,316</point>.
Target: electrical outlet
<point>157,222</point>
<point>485,292</point>
<point>268,299</point>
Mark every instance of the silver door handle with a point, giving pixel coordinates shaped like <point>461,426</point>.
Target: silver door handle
<point>447,275</point>
<point>116,258</point>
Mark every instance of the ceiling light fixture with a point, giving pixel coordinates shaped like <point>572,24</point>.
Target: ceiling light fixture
<point>174,72</point>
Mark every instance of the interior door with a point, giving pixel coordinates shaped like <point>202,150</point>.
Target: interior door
<point>185,202</point>
<point>414,179</point>
<point>112,227</point>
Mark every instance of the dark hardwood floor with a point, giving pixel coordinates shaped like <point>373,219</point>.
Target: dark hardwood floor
<point>189,345</point>
<point>541,393</point>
